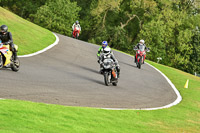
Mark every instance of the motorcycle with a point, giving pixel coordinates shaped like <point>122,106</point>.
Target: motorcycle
<point>76,32</point>
<point>140,55</point>
<point>7,59</point>
<point>110,72</point>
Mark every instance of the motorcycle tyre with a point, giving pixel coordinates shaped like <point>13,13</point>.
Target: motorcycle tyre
<point>1,61</point>
<point>76,35</point>
<point>106,79</point>
<point>140,63</point>
<point>14,67</point>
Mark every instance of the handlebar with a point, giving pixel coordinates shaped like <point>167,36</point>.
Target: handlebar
<point>135,49</point>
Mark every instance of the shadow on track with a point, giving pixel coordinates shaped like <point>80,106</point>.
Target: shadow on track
<point>131,65</point>
<point>87,76</point>
<point>89,69</point>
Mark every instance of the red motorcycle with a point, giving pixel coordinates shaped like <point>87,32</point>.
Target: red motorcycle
<point>140,55</point>
<point>76,32</point>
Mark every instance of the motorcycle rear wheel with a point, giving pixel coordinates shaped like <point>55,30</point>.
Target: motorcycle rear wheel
<point>15,66</point>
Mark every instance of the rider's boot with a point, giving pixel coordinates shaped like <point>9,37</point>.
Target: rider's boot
<point>118,74</point>
<point>135,59</point>
<point>14,51</point>
<point>101,70</point>
<point>72,33</point>
<point>118,71</point>
<point>15,56</point>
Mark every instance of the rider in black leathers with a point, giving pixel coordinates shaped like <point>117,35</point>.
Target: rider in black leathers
<point>6,38</point>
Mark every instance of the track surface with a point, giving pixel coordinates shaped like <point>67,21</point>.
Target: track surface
<point>67,74</point>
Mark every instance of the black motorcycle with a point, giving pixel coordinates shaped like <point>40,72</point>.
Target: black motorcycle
<point>110,72</point>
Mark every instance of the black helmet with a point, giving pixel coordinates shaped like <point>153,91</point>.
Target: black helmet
<point>4,28</point>
<point>77,22</point>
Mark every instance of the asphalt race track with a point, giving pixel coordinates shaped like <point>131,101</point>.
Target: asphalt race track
<point>67,74</point>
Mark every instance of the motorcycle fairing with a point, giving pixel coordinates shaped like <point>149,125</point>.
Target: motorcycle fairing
<point>5,51</point>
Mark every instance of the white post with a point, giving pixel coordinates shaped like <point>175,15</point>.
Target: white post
<point>159,58</point>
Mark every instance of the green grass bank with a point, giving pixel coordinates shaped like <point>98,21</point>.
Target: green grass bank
<point>24,116</point>
<point>29,37</point>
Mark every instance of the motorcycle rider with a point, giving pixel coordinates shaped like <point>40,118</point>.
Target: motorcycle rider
<point>137,47</point>
<point>74,25</point>
<point>6,38</point>
<point>104,45</point>
<point>107,53</point>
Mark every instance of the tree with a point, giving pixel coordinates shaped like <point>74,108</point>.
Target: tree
<point>170,36</point>
<point>103,7</point>
<point>23,8</point>
<point>57,15</point>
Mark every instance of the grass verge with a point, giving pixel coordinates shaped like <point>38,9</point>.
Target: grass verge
<point>28,36</point>
<point>24,116</point>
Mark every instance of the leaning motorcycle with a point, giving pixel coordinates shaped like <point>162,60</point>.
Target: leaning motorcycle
<point>76,32</point>
<point>110,72</point>
<point>7,58</point>
<point>140,55</point>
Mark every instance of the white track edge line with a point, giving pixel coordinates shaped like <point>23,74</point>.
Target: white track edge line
<point>43,50</point>
<point>178,99</point>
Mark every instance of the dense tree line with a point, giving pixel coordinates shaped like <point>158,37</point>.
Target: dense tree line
<point>170,28</point>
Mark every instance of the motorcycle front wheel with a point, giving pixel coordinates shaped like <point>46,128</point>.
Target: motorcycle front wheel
<point>107,78</point>
<point>76,35</point>
<point>140,63</point>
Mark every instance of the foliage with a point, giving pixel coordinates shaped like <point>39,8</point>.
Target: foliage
<point>23,8</point>
<point>57,16</point>
<point>167,26</point>
<point>170,36</point>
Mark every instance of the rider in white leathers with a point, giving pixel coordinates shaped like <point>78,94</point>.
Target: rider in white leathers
<point>76,24</point>
<point>108,54</point>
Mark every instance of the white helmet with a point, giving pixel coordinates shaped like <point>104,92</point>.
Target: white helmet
<point>142,41</point>
<point>106,50</point>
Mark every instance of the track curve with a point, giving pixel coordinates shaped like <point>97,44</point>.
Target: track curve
<point>67,74</point>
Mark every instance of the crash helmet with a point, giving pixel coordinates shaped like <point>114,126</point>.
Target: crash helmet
<point>4,28</point>
<point>107,50</point>
<point>104,44</point>
<point>77,22</point>
<point>141,41</point>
